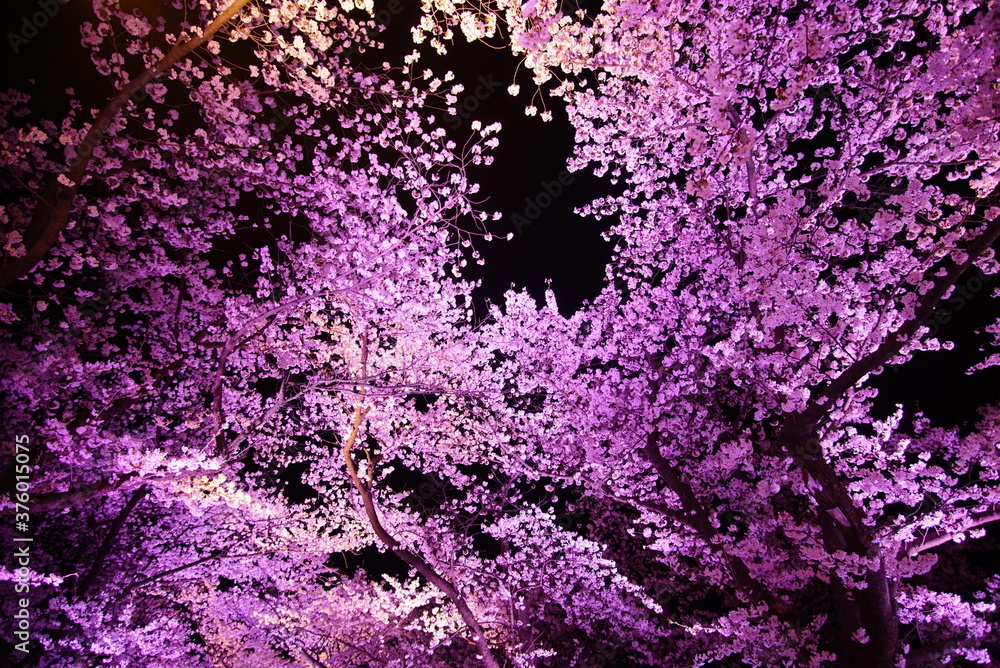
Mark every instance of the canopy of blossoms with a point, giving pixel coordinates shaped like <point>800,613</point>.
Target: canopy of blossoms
<point>251,418</point>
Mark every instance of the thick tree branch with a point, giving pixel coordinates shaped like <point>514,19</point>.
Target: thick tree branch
<point>413,560</point>
<point>217,554</point>
<point>694,515</point>
<point>76,497</point>
<point>109,541</point>
<point>51,214</point>
<point>894,342</point>
<point>843,528</point>
<point>842,523</point>
<point>931,655</point>
<point>933,539</point>
<point>103,487</point>
<point>83,417</point>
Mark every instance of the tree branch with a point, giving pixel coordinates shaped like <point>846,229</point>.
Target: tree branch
<point>413,560</point>
<point>109,541</point>
<point>696,517</point>
<point>841,522</point>
<point>51,214</point>
<point>68,499</point>
<point>217,554</point>
<point>932,540</point>
<point>895,340</point>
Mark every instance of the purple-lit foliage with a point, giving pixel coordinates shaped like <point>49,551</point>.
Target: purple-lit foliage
<point>242,274</point>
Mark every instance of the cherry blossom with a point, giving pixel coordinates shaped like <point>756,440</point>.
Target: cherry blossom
<point>238,327</point>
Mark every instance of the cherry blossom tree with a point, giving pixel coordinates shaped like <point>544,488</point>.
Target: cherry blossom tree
<point>803,186</point>
<point>163,376</point>
<point>238,334</point>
